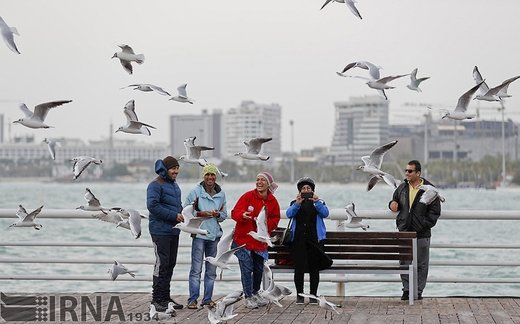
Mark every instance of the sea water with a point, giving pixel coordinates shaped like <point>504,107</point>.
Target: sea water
<point>133,195</point>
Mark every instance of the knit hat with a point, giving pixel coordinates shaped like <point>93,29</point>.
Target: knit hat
<point>170,162</point>
<point>305,181</point>
<point>270,181</point>
<point>209,168</point>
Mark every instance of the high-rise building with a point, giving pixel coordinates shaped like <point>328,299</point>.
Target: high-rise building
<point>250,120</point>
<point>206,127</point>
<point>361,125</point>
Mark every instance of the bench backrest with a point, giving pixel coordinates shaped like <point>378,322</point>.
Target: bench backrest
<point>359,246</point>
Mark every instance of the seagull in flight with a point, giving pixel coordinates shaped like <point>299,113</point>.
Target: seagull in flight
<point>81,163</point>
<point>324,303</point>
<point>146,87</point>
<point>191,223</point>
<point>414,82</point>
<point>253,148</point>
<point>353,220</point>
<point>93,203</point>
<point>379,84</point>
<point>372,165</point>
<point>373,70</point>
<point>127,56</point>
<point>27,220</point>
<point>182,95</point>
<point>36,119</point>
<point>274,292</point>
<point>193,152</point>
<point>224,252</point>
<point>430,194</point>
<point>7,35</point>
<point>223,312</point>
<point>462,105</point>
<point>351,5</point>
<point>51,145</point>
<point>119,269</point>
<point>261,233</point>
<point>494,94</point>
<point>133,125</point>
<point>129,219</point>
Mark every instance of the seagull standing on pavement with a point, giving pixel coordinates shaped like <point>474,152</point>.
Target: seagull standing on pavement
<point>127,56</point>
<point>7,35</point>
<point>27,220</point>
<point>372,165</point>
<point>353,220</point>
<point>133,125</point>
<point>323,303</point>
<point>191,223</point>
<point>193,152</point>
<point>119,269</point>
<point>351,5</point>
<point>81,163</point>
<point>182,95</point>
<point>146,87</point>
<point>414,82</point>
<point>253,148</point>
<point>36,119</point>
<point>51,145</point>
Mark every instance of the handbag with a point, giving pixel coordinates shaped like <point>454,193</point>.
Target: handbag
<point>287,234</point>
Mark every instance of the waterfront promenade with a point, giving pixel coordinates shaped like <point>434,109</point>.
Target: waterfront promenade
<point>354,310</point>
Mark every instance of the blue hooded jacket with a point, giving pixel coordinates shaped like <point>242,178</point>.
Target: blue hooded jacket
<point>163,200</point>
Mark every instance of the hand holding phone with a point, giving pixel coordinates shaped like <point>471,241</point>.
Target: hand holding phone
<point>307,195</point>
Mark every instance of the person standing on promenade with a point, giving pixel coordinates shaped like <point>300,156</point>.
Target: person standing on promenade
<point>308,232</point>
<point>163,200</point>
<point>252,256</point>
<point>416,217</point>
<point>210,202</point>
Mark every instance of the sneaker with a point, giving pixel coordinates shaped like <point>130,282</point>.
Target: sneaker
<point>210,304</point>
<point>405,295</point>
<point>250,302</point>
<point>300,300</point>
<point>159,307</point>
<point>260,301</point>
<point>176,305</point>
<point>192,304</point>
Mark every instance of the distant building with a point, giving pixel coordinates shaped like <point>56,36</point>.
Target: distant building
<point>361,125</point>
<point>206,127</point>
<point>251,120</point>
<point>1,128</point>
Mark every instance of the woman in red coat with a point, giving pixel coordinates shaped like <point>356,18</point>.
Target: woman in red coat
<point>252,256</point>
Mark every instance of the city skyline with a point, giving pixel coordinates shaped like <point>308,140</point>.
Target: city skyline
<point>285,53</point>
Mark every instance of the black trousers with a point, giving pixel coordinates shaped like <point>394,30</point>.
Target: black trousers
<point>306,260</point>
<point>165,248</point>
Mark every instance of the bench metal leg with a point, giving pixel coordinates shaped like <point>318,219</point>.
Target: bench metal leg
<point>340,289</point>
<point>412,284</point>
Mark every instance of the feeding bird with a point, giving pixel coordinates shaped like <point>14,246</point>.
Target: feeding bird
<point>253,148</point>
<point>372,165</point>
<point>261,233</point>
<point>51,145</point>
<point>430,194</point>
<point>7,35</point>
<point>414,82</point>
<point>146,87</point>
<point>191,223</point>
<point>119,269</point>
<point>182,95</point>
<point>353,220</point>
<point>323,303</point>
<point>81,163</point>
<point>127,56</point>
<point>36,119</point>
<point>193,152</point>
<point>93,203</point>
<point>27,220</point>
<point>133,125</point>
<point>127,218</point>
<point>351,5</point>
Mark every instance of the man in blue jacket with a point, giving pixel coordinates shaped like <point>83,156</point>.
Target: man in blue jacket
<point>163,200</point>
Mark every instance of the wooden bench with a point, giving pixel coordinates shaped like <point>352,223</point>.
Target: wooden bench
<point>363,253</point>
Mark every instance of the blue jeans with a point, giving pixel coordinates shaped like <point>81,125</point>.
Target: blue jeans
<point>251,270</point>
<point>199,249</point>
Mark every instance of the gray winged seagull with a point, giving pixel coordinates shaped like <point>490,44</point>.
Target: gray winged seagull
<point>146,87</point>
<point>7,35</point>
<point>27,219</point>
<point>193,152</point>
<point>117,269</point>
<point>223,312</point>
<point>323,303</point>
<point>127,56</point>
<point>430,194</point>
<point>93,203</point>
<point>373,70</point>
<point>133,125</point>
<point>372,165</point>
<point>274,292</point>
<point>182,95</point>
<point>494,94</point>
<point>81,163</point>
<point>191,223</point>
<point>415,82</point>
<point>261,233</point>
<point>379,84</point>
<point>126,218</point>
<point>351,5</point>
<point>353,220</point>
<point>253,148</point>
<point>224,252</point>
<point>51,145</point>
<point>36,119</point>
<point>460,111</point>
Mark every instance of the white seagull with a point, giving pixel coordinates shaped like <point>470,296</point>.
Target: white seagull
<point>191,223</point>
<point>494,94</point>
<point>182,96</point>
<point>81,163</point>
<point>133,125</point>
<point>7,35</point>
<point>462,105</point>
<point>274,292</point>
<point>379,84</point>
<point>323,303</point>
<point>193,152</point>
<point>127,56</point>
<point>129,219</point>
<point>373,70</point>
<point>353,220</point>
<point>27,220</point>
<point>146,87</point>
<point>224,310</point>
<point>161,316</point>
<point>51,145</point>
<point>253,148</point>
<point>430,194</point>
<point>351,4</point>
<point>119,269</point>
<point>261,233</point>
<point>36,119</point>
<point>372,165</point>
<point>93,203</point>
<point>224,252</point>
<point>414,82</point>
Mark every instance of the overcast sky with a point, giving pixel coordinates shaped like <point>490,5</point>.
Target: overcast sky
<point>284,52</point>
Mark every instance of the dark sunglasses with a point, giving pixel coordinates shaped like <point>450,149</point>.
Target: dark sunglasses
<point>409,171</point>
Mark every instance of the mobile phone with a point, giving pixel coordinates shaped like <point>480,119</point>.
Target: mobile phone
<point>307,195</point>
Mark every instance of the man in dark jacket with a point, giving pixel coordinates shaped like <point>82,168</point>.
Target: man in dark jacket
<point>417,217</point>
<point>163,200</point>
